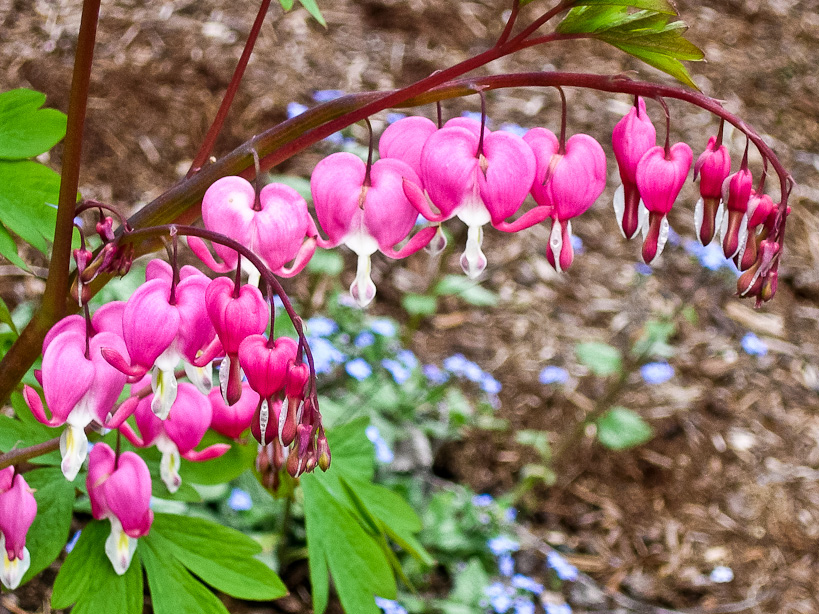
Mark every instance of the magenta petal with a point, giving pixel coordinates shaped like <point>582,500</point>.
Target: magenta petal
<point>17,511</point>
<point>108,381</point>
<point>578,178</point>
<point>195,328</point>
<point>388,214</point>
<point>189,418</point>
<point>150,427</point>
<point>404,140</point>
<point>227,207</point>
<point>544,145</point>
<point>198,247</point>
<point>149,322</point>
<point>266,367</point>
<point>277,232</point>
<point>633,136</point>
<point>712,166</point>
<point>101,462</point>
<point>74,322</point>
<point>213,451</point>
<point>336,186</point>
<point>468,123</point>
<point>67,373</point>
<point>233,420</point>
<point>510,171</point>
<point>235,318</point>
<point>659,180</point>
<point>449,168</point>
<point>128,494</point>
<point>108,318</point>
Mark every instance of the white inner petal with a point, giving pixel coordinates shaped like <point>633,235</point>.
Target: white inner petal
<point>119,547</point>
<point>170,463</point>
<point>74,449</point>
<point>620,207</point>
<point>201,377</point>
<point>473,260</point>
<point>13,571</point>
<point>165,387</point>
<point>556,244</point>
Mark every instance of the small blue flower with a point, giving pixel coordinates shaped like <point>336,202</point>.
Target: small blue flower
<point>502,545</point>
<point>524,606</point>
<point>455,363</point>
<point>388,606</point>
<point>382,451</point>
<point>510,515</point>
<point>321,326</point>
<point>325,354</point>
<point>753,345</point>
<point>398,371</point>
<point>506,565</point>
<point>557,608</point>
<point>239,500</point>
<point>527,584</point>
<point>294,109</point>
<point>489,384</point>
<point>277,302</point>
<point>643,269</point>
<point>72,542</point>
<point>500,596</point>
<point>562,567</point>
<point>394,117</point>
<point>474,115</point>
<point>553,375</point>
<point>656,372</point>
<point>409,359</point>
<point>515,129</point>
<point>358,369</point>
<point>710,256</point>
<point>337,138</point>
<point>483,500</point>
<point>673,237</point>
<point>383,327</point>
<point>364,339</point>
<point>577,244</point>
<point>434,374</point>
<point>327,95</point>
<point>721,574</point>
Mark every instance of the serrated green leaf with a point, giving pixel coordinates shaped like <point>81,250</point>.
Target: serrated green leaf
<point>88,579</point>
<point>8,249</point>
<point>5,317</point>
<point>173,589</point>
<point>592,19</point>
<point>419,304</point>
<point>26,130</point>
<point>661,62</point>
<point>49,531</point>
<point>601,358</point>
<point>220,556</point>
<point>313,9</point>
<point>25,188</point>
<point>337,542</point>
<point>621,428</point>
<point>661,6</point>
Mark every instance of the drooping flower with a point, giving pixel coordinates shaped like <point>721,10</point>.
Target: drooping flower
<point>178,434</point>
<point>761,217</point>
<point>17,511</point>
<point>633,136</point>
<point>405,139</point>
<point>713,166</point>
<point>568,182</point>
<point>660,176</point>
<point>120,490</point>
<point>736,192</point>
<point>78,389</point>
<point>367,212</point>
<point>277,226</point>
<point>233,420</point>
<point>478,180</point>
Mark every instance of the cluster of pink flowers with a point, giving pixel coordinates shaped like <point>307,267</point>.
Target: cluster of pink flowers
<point>173,324</point>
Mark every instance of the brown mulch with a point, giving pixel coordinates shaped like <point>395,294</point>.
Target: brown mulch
<point>731,477</point>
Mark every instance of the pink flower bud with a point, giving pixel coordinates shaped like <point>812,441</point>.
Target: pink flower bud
<point>659,180</point>
<point>17,511</point>
<point>633,136</point>
<point>736,192</point>
<point>713,166</point>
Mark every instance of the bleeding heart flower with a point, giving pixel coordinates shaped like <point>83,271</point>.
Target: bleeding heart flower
<point>633,136</point>
<point>713,166</point>
<point>178,434</point>
<point>277,227</point>
<point>78,389</point>
<point>233,420</point>
<point>365,214</point>
<point>660,178</point>
<point>17,511</point>
<point>736,192</point>
<point>120,490</point>
<point>404,140</point>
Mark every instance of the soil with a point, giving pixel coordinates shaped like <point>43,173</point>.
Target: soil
<point>731,476</point>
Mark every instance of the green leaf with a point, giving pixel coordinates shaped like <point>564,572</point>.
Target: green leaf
<point>18,434</point>
<point>49,531</point>
<point>661,62</point>
<point>5,317</point>
<point>221,557</point>
<point>286,4</point>
<point>313,9</point>
<point>25,188</point>
<point>419,304</point>
<point>88,579</point>
<point>654,340</point>
<point>470,584</point>
<point>353,453</point>
<point>337,542</point>
<point>621,428</point>
<point>328,262</point>
<point>300,184</point>
<point>601,358</point>
<point>661,6</point>
<point>173,589</point>
<point>539,440</point>
<point>219,470</point>
<point>470,291</point>
<point>8,249</point>
<point>26,130</point>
